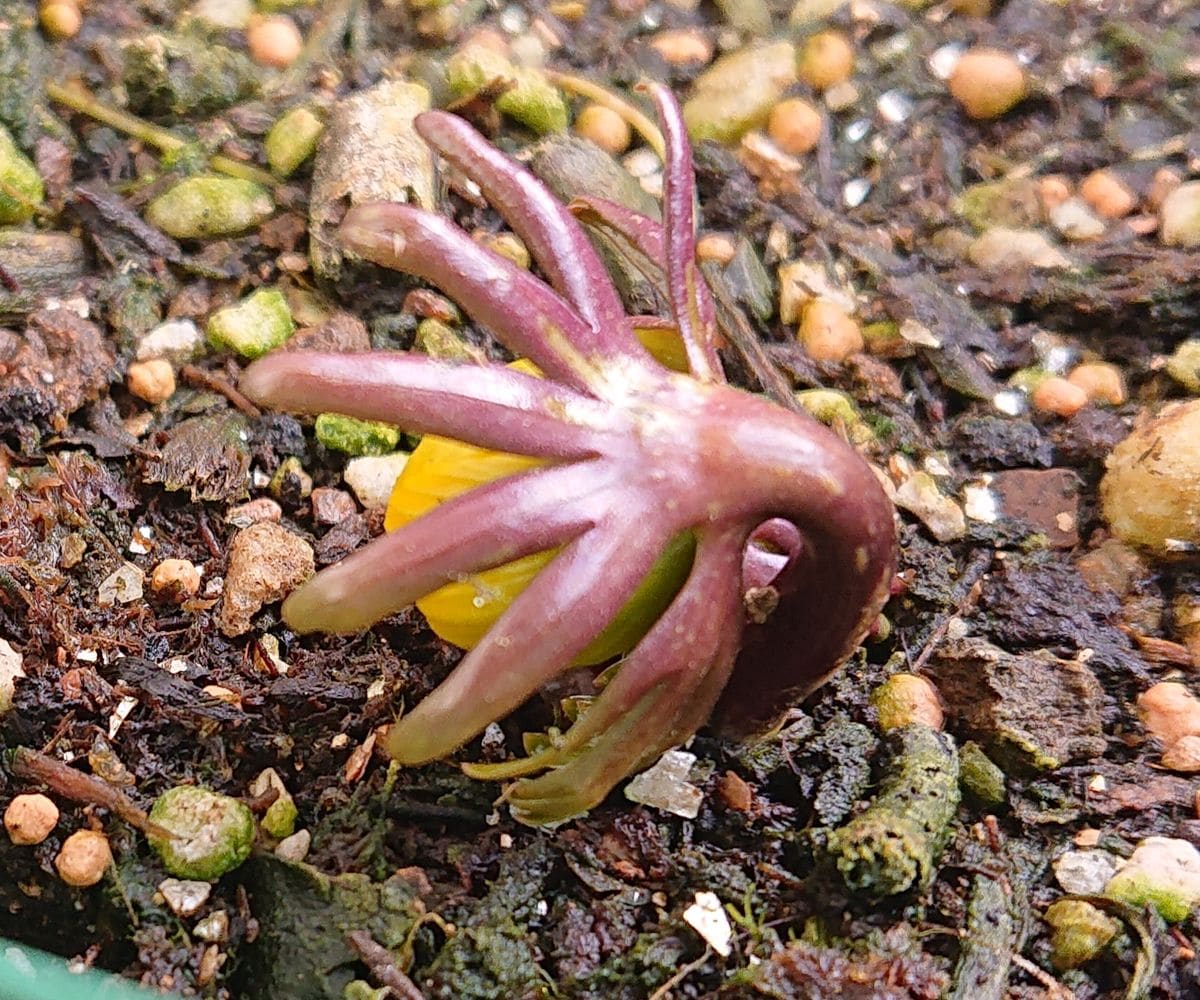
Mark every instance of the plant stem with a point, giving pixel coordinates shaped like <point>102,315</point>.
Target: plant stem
<point>606,98</point>
<point>78,99</point>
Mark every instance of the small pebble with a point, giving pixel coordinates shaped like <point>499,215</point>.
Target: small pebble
<point>1180,216</point>
<point>734,793</point>
<point>1002,249</point>
<point>794,126</point>
<point>266,562</point>
<point>1101,381</point>
<point>604,127</point>
<point>295,847</point>
<point>30,818</point>
<point>214,927</point>
<point>1076,221</point>
<point>1085,873</point>
<point>372,477</point>
<point>175,579</point>
<point>718,247</point>
<point>122,586</point>
<point>683,47</point>
<point>274,41</point>
<point>12,666</point>
<point>1108,196</point>
<point>988,82</point>
<point>152,381</point>
<point>1058,396</point>
<point>1165,181</point>
<point>84,858</point>
<point>828,333</point>
<point>1183,755</point>
<point>331,506</point>
<point>826,59</point>
<point>253,512</point>
<point>1169,711</point>
<point>184,897</point>
<point>61,19</point>
<point>665,786</point>
<point>905,699</point>
<point>1053,190</point>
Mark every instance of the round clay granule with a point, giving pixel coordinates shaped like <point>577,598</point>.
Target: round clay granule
<point>826,59</point>
<point>274,41</point>
<point>84,858</point>
<point>604,127</point>
<point>794,126</point>
<point>988,82</point>
<point>30,818</point>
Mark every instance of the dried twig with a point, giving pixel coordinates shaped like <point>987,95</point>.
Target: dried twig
<point>79,787</point>
<point>210,380</point>
<point>383,967</point>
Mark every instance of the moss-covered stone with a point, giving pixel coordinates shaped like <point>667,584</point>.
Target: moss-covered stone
<point>210,205</point>
<point>1079,932</point>
<point>980,778</point>
<point>292,140</point>
<point>1184,365</point>
<point>356,437</point>
<point>305,916</point>
<point>213,833</point>
<point>279,821</point>
<point>254,327</point>
<point>177,75</point>
<point>1162,872</point>
<point>737,92</point>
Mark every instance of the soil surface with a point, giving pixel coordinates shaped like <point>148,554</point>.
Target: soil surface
<point>1037,629</point>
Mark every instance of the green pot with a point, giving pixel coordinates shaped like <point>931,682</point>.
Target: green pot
<point>29,974</point>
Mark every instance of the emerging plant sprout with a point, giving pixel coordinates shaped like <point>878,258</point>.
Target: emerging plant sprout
<point>633,456</point>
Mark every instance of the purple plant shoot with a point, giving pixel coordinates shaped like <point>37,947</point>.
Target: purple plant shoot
<point>634,455</point>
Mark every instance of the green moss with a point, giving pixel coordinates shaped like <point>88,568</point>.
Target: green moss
<point>894,845</point>
<point>21,190</point>
<point>532,100</point>
<point>254,327</point>
<point>177,75</point>
<point>980,778</point>
<point>356,437</point>
<point>213,833</point>
<point>305,916</point>
<point>1080,931</point>
<point>494,955</point>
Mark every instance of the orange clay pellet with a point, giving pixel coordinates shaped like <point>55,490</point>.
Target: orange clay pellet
<point>988,82</point>
<point>794,126</point>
